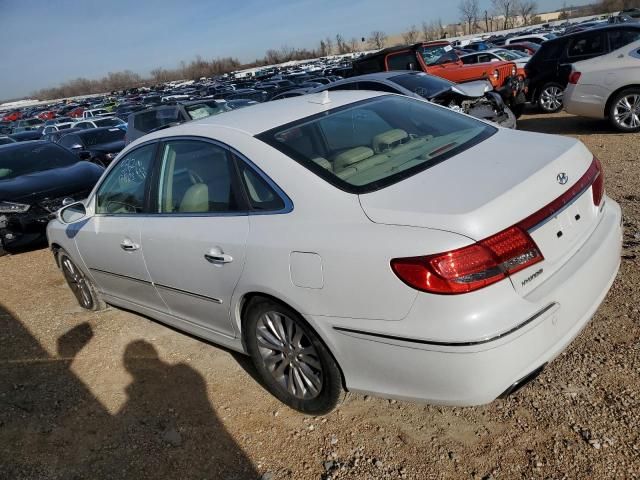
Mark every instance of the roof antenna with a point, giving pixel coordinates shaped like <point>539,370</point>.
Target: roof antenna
<point>322,98</point>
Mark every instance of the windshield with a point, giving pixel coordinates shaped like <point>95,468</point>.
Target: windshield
<point>17,161</point>
<point>370,144</point>
<point>437,54</point>
<point>427,86</point>
<point>97,137</point>
<point>108,122</point>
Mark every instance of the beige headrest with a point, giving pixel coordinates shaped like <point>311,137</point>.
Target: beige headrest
<point>382,141</point>
<point>323,162</point>
<point>196,199</point>
<point>351,156</point>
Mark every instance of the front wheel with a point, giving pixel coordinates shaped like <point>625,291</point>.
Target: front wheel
<point>80,285</point>
<point>291,360</point>
<point>551,97</point>
<point>624,110</point>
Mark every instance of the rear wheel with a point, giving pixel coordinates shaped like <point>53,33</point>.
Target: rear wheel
<point>551,97</point>
<point>624,110</point>
<point>291,360</point>
<point>79,284</point>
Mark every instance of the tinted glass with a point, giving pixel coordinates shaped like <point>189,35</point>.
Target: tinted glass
<point>402,61</point>
<point>151,120</point>
<point>374,143</point>
<point>261,196</point>
<point>70,140</point>
<point>123,191</point>
<point>98,137</point>
<point>621,38</point>
<point>426,86</point>
<point>588,44</point>
<point>376,87</point>
<point>196,177</point>
<point>107,122</point>
<point>16,161</point>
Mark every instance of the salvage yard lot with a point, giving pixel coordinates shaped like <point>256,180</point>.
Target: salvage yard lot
<point>116,395</point>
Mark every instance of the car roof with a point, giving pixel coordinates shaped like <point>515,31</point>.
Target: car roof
<point>27,143</point>
<point>619,26</point>
<point>94,130</point>
<point>265,116</point>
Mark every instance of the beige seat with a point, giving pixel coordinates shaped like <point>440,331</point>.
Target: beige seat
<point>350,157</point>
<point>196,199</point>
<point>323,162</point>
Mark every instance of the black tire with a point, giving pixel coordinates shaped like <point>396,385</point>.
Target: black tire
<point>550,97</point>
<point>289,361</point>
<point>81,286</point>
<point>617,109</point>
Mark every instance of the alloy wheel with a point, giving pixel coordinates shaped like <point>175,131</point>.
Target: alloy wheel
<point>626,112</point>
<point>289,355</point>
<point>551,98</point>
<point>77,283</point>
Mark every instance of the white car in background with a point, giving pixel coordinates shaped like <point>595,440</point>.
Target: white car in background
<point>353,240</point>
<point>495,55</point>
<point>96,112</point>
<point>607,87</point>
<point>533,38</point>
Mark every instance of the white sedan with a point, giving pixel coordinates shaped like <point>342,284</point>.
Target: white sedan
<point>608,87</point>
<point>353,240</point>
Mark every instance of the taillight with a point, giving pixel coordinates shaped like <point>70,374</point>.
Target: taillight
<point>495,258</point>
<point>574,77</point>
<point>470,268</point>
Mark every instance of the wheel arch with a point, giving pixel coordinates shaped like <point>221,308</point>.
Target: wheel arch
<point>55,249</point>
<point>613,94</point>
<point>251,298</point>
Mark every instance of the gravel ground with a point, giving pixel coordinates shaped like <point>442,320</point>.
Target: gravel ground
<point>116,395</point>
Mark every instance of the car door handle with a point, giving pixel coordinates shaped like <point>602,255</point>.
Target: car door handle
<point>129,246</point>
<point>217,256</point>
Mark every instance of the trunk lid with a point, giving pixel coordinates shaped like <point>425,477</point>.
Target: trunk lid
<point>486,189</point>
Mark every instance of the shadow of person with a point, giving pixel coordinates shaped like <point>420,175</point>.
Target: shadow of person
<point>168,414</point>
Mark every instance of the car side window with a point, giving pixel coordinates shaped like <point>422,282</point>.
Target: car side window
<point>376,87</point>
<point>620,38</point>
<point>259,193</point>
<point>402,61</point>
<point>123,190</point>
<point>589,44</point>
<point>196,177</point>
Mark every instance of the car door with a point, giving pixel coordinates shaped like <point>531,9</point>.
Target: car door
<point>109,242</point>
<point>194,244</point>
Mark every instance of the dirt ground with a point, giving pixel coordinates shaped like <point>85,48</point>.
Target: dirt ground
<point>115,395</point>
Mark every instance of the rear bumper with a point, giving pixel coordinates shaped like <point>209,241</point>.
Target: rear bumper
<point>402,364</point>
<point>585,100</point>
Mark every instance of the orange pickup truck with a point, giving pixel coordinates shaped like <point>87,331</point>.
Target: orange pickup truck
<point>440,59</point>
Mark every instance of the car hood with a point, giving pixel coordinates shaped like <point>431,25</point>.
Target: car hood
<point>477,88</point>
<point>111,147</point>
<point>485,189</point>
<point>52,183</point>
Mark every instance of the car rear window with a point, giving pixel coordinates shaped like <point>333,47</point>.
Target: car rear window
<point>25,159</point>
<point>368,145</point>
<point>153,119</point>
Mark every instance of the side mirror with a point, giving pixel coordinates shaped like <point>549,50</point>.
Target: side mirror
<point>84,155</point>
<point>72,213</point>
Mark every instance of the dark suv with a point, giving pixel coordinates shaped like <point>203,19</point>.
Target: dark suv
<point>549,69</point>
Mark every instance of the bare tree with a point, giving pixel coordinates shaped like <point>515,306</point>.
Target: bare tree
<point>411,35</point>
<point>506,9</point>
<point>527,10</point>
<point>377,39</point>
<point>329,43</point>
<point>354,44</point>
<point>341,45</point>
<point>469,11</point>
<point>322,51</point>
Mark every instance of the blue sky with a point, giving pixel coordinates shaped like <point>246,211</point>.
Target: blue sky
<point>46,42</point>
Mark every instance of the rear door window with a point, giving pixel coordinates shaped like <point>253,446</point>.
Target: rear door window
<point>401,61</point>
<point>588,45</point>
<point>621,38</point>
